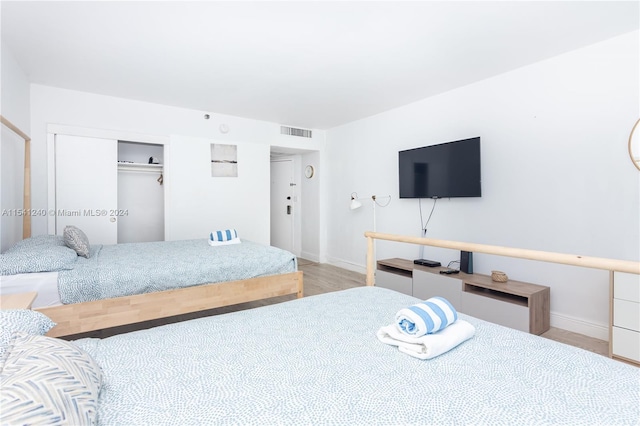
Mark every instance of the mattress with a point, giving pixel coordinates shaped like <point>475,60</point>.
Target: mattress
<point>137,268</point>
<point>317,360</point>
<point>44,283</point>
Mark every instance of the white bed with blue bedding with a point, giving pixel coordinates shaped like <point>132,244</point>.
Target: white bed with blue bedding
<point>136,268</point>
<point>121,271</point>
<point>317,360</point>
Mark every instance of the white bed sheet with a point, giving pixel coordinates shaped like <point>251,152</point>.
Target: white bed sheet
<point>45,283</point>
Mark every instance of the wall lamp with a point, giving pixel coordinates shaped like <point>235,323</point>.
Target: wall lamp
<point>356,204</point>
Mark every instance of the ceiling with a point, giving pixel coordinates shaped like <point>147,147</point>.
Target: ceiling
<point>304,64</point>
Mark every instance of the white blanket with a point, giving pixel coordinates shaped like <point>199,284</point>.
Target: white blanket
<point>430,345</point>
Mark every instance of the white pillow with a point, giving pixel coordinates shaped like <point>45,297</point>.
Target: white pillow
<point>77,240</point>
<point>48,381</point>
<point>24,320</point>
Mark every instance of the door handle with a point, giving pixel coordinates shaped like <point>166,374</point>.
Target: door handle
<point>288,209</point>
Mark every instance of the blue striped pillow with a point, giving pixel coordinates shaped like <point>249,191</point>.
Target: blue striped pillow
<point>426,317</point>
<point>223,235</point>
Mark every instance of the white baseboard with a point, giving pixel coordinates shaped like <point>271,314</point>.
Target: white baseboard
<point>577,325</point>
<point>310,256</point>
<point>347,265</point>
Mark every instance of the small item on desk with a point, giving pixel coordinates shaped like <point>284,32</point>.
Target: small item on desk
<point>449,271</point>
<point>499,277</point>
<point>427,262</point>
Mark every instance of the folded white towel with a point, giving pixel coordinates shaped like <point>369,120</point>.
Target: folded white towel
<point>430,345</point>
<point>224,243</point>
<point>426,317</point>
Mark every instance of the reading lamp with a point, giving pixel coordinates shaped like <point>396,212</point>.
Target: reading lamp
<point>356,204</point>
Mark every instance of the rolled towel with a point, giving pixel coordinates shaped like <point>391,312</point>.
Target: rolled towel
<point>224,237</point>
<point>426,317</point>
<point>430,345</point>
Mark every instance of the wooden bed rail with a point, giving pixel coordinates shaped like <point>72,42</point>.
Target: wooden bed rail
<point>100,314</point>
<point>543,256</point>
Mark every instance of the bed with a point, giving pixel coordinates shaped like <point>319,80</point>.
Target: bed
<point>317,360</point>
<point>127,283</point>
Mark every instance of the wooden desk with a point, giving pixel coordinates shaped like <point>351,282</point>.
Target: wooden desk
<point>17,301</point>
<point>515,304</point>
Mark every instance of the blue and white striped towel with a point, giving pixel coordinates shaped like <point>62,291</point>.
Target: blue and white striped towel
<point>426,317</point>
<point>224,237</point>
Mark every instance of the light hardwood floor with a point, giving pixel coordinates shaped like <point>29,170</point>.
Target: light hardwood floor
<point>323,278</point>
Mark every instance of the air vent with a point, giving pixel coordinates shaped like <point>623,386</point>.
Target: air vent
<point>292,131</point>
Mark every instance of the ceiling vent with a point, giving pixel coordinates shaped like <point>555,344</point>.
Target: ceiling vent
<point>292,131</point>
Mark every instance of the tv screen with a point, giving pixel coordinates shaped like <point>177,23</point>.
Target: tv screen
<point>445,170</point>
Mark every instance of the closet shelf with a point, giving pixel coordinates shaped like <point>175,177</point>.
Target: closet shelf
<point>139,167</point>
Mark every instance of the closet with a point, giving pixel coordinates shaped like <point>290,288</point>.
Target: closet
<point>111,189</point>
<point>140,192</point>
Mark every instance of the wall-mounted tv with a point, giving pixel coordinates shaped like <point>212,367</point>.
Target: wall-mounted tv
<point>445,170</point>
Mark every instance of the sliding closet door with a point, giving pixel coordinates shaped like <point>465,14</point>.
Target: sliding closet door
<point>86,186</point>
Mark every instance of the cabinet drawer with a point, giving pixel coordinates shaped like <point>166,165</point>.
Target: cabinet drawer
<point>496,311</point>
<point>626,314</point>
<point>626,343</point>
<point>428,284</point>
<point>395,282</point>
<point>626,286</point>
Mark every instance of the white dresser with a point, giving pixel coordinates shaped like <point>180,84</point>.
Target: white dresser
<point>624,336</point>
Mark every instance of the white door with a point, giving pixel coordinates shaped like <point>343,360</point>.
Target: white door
<point>282,204</point>
<point>86,173</point>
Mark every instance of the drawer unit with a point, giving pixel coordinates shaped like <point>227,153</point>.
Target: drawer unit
<point>627,287</point>
<point>626,314</point>
<point>626,344</point>
<point>399,283</point>
<point>624,332</point>
<point>515,304</point>
<point>428,284</point>
<point>496,310</point>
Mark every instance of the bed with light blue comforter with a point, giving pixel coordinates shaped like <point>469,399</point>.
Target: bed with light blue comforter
<point>137,268</point>
<point>317,360</point>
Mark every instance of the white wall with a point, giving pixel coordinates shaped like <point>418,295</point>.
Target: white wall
<point>51,105</point>
<point>14,106</point>
<point>556,175</point>
<point>14,88</point>
<point>201,204</point>
<point>310,207</point>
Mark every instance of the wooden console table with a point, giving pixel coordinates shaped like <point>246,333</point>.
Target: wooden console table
<point>515,304</point>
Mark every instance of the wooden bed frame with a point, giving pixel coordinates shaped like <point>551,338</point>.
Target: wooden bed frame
<point>100,314</point>
<point>543,256</point>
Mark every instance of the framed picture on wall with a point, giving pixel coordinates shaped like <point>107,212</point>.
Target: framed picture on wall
<point>224,160</point>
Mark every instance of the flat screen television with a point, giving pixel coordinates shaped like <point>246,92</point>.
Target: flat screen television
<point>446,170</point>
